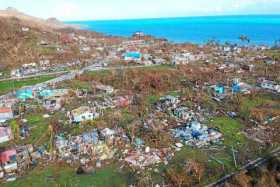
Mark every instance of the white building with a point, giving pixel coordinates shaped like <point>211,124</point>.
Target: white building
<point>16,73</point>
<point>24,29</point>
<point>270,85</point>
<point>83,113</point>
<point>5,134</point>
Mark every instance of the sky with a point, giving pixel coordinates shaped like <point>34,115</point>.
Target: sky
<point>74,10</point>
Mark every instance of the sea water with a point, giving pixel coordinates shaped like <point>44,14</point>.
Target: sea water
<point>261,29</point>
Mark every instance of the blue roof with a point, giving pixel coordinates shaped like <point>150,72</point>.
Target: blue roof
<point>24,94</point>
<point>46,93</point>
<point>220,89</point>
<point>133,54</point>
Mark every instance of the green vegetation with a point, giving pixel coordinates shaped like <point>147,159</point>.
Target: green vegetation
<point>247,104</point>
<point>174,93</point>
<point>47,50</point>
<point>189,153</point>
<point>98,73</point>
<point>7,86</point>
<point>152,99</point>
<point>38,129</point>
<point>274,53</point>
<point>231,130</point>
<point>77,84</point>
<point>57,175</point>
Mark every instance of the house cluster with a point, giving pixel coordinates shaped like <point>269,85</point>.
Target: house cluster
<point>221,91</point>
<point>43,66</point>
<point>186,57</point>
<point>15,160</point>
<point>189,128</point>
<point>197,134</point>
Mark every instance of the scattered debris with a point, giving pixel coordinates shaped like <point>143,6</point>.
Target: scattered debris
<point>196,134</point>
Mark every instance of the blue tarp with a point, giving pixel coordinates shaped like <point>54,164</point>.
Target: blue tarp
<point>24,94</point>
<point>139,142</point>
<point>236,88</point>
<point>91,137</point>
<point>46,93</point>
<point>220,89</point>
<point>135,55</point>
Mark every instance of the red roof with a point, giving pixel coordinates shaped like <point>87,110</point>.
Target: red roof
<point>6,155</point>
<point>5,110</point>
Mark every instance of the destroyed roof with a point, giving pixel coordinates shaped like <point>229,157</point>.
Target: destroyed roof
<point>168,97</point>
<point>7,156</point>
<point>81,110</point>
<point>53,93</point>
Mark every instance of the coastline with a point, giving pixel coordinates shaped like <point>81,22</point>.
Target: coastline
<point>192,29</point>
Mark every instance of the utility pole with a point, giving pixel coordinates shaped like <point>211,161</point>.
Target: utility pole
<point>233,155</point>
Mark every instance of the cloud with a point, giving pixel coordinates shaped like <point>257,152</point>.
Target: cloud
<point>118,9</point>
<point>64,9</point>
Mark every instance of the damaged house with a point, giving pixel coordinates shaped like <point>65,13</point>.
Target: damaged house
<point>8,162</point>
<point>269,85</point>
<point>83,148</point>
<point>100,88</point>
<point>5,134</point>
<point>53,99</point>
<point>241,87</point>
<point>83,113</point>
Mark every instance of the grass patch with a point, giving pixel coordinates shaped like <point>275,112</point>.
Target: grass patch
<point>189,153</point>
<point>7,86</point>
<point>247,103</point>
<point>231,130</point>
<point>152,99</point>
<point>98,73</point>
<point>38,129</point>
<point>77,84</point>
<point>126,118</point>
<point>174,93</point>
<point>54,176</point>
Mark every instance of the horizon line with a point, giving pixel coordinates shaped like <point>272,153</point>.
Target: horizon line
<point>173,17</point>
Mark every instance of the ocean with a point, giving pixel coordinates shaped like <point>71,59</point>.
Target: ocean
<point>261,30</point>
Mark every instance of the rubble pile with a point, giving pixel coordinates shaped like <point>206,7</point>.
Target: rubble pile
<point>83,149</point>
<point>196,134</point>
<point>167,103</point>
<point>16,161</point>
<point>144,158</point>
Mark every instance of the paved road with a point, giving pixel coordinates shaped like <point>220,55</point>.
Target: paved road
<point>33,76</point>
